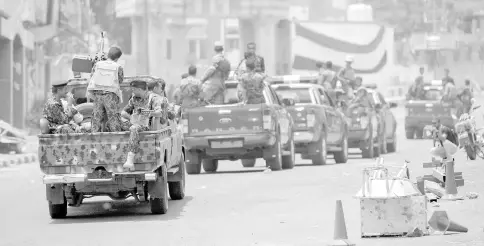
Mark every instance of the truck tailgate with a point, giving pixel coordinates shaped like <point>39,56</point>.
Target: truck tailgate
<point>59,152</point>
<point>225,119</point>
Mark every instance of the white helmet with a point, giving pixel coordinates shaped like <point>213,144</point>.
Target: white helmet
<point>349,58</point>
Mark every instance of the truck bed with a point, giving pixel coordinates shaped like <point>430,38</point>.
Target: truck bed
<point>83,152</point>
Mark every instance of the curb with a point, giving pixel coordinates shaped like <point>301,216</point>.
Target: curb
<point>20,159</point>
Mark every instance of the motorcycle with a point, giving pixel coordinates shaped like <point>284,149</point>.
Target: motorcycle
<point>467,133</point>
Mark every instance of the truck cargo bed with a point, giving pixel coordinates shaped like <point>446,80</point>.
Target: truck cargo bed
<point>59,152</point>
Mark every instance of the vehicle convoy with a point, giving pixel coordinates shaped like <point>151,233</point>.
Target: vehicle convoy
<point>319,127</point>
<point>421,112</point>
<point>82,165</point>
<point>373,129</point>
<point>239,131</point>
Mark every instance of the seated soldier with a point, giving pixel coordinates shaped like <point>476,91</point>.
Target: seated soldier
<point>58,115</point>
<point>361,99</point>
<point>157,88</point>
<point>139,110</point>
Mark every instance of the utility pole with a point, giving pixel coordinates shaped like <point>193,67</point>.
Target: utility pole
<point>146,17</point>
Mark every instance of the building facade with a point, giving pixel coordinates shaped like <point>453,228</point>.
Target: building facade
<point>32,34</point>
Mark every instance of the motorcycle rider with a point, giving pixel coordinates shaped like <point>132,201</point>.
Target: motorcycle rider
<point>465,98</point>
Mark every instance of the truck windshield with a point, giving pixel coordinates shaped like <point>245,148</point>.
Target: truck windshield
<point>432,95</point>
<point>299,95</point>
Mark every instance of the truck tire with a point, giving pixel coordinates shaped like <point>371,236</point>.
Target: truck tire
<point>471,152</point>
<point>210,165</point>
<point>177,189</point>
<point>58,211</point>
<point>288,161</point>
<point>248,162</point>
<point>160,205</point>
<point>392,147</point>
<point>193,164</point>
<point>342,156</point>
<point>275,163</point>
<point>409,133</point>
<point>321,156</point>
<point>369,151</point>
<point>419,133</point>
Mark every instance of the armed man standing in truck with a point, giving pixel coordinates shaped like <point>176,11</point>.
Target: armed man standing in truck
<point>347,76</point>
<point>256,59</point>
<point>139,110</point>
<point>189,93</point>
<point>213,82</point>
<point>251,85</point>
<point>104,88</point>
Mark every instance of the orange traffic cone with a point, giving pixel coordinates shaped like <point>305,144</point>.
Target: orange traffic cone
<point>450,185</point>
<point>440,221</point>
<point>340,234</point>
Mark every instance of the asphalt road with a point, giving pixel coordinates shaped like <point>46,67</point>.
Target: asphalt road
<point>236,206</point>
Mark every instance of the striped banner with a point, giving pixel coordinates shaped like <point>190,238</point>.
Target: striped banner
<point>369,44</point>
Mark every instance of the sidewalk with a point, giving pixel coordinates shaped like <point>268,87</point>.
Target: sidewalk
<point>29,157</point>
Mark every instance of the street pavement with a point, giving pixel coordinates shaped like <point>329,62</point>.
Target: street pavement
<point>235,206</point>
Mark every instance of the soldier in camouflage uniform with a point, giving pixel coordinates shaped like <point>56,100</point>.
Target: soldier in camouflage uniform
<point>157,88</point>
<point>250,55</point>
<point>189,92</point>
<point>139,110</point>
<point>251,85</point>
<point>213,82</point>
<point>104,89</point>
<point>57,115</point>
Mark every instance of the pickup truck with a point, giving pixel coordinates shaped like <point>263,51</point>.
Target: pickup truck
<point>373,128</point>
<point>239,131</point>
<point>422,111</point>
<point>320,127</point>
<point>82,165</point>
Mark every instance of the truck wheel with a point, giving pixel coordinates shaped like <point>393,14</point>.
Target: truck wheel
<point>248,162</point>
<point>368,151</point>
<point>383,146</point>
<point>288,161</point>
<point>409,133</point>
<point>392,147</point>
<point>58,211</point>
<point>342,156</point>
<point>471,152</point>
<point>321,156</point>
<point>275,163</point>
<point>160,205</point>
<point>177,189</point>
<point>419,133</point>
<point>193,163</point>
<point>210,165</point>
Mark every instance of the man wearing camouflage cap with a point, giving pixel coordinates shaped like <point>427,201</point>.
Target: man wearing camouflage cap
<point>213,82</point>
<point>58,113</point>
